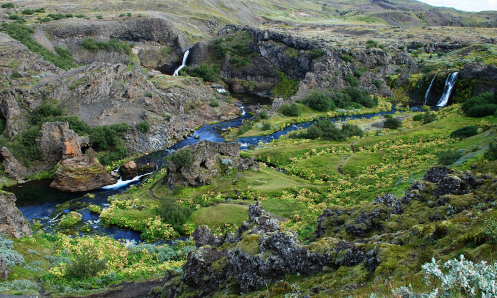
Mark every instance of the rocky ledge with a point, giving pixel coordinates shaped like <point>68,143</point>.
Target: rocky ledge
<point>12,222</point>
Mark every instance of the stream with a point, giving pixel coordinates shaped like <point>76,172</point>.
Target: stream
<point>38,201</point>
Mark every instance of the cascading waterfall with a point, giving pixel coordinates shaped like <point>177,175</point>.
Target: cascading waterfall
<point>449,85</point>
<point>183,64</point>
<point>429,88</point>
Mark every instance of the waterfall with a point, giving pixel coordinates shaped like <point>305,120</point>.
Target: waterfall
<point>449,85</point>
<point>243,110</point>
<point>185,56</point>
<point>429,88</point>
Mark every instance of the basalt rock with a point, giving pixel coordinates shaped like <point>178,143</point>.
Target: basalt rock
<point>12,222</point>
<point>58,142</point>
<point>12,167</point>
<point>81,173</point>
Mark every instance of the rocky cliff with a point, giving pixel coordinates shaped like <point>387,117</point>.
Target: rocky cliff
<point>12,222</point>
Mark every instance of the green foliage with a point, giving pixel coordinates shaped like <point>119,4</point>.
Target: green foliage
<point>91,45</point>
<point>80,16</point>
<point>129,14</point>
<point>264,115</point>
<point>266,125</point>
<point>149,94</point>
<point>183,158</point>
<point>358,73</point>
<point>418,117</point>
<point>484,104</point>
<point>286,86</point>
<point>352,80</point>
<point>8,5</point>
<point>100,17</point>
<point>28,12</point>
<point>327,130</point>
<point>482,110</point>
<point>347,58</point>
<point>429,117</point>
<point>214,103</point>
<point>56,16</point>
<point>85,264</point>
<point>448,157</point>
<point>107,138</point>
<point>70,220</point>
<point>15,17</point>
<point>464,132</point>
<point>392,123</point>
<point>362,97</point>
<point>143,126</point>
<point>25,146</point>
<point>246,126</point>
<point>44,111</point>
<point>377,84</point>
<point>23,33</point>
<point>316,53</point>
<point>320,102</point>
<point>491,153</point>
<point>371,44</point>
<point>15,75</point>
<point>174,214</point>
<point>290,110</point>
<point>206,72</point>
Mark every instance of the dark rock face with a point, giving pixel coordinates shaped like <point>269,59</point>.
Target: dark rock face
<point>436,174</point>
<point>12,222</point>
<point>203,236</point>
<point>80,173</point>
<point>128,170</point>
<point>197,54</point>
<point>10,111</point>
<point>484,75</point>
<point>12,167</point>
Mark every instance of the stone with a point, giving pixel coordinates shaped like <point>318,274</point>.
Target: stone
<point>128,170</point>
<point>58,142</point>
<point>81,173</point>
<point>203,236</point>
<point>12,222</point>
<point>12,167</point>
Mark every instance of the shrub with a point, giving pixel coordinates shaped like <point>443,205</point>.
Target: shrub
<point>320,102</point>
<point>392,123</point>
<point>286,86</point>
<point>91,45</point>
<point>246,126</point>
<point>174,214</point>
<point>464,132</point>
<point>15,75</point>
<point>482,110</point>
<point>129,14</point>
<point>15,17</point>
<point>342,100</point>
<point>56,16</point>
<point>86,263</point>
<point>352,80</point>
<point>327,130</point>
<point>418,117</point>
<point>100,17</point>
<point>429,117</point>
<point>347,58</point>
<point>214,103</point>
<point>80,16</point>
<point>8,5</point>
<point>44,111</point>
<point>68,15</point>
<point>183,158</point>
<point>70,220</point>
<point>25,144</point>
<point>314,54</point>
<point>266,125</point>
<point>377,84</point>
<point>371,44</point>
<point>206,72</point>
<point>362,97</point>
<point>28,12</point>
<point>357,73</point>
<point>491,153</point>
<point>448,157</point>
<point>472,107</point>
<point>143,126</point>
<point>352,130</point>
<point>264,115</point>
<point>149,94</point>
<point>388,116</point>
<point>290,110</point>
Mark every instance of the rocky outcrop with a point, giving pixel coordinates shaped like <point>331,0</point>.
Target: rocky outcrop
<point>128,170</point>
<point>12,167</point>
<point>81,173</point>
<point>58,142</point>
<point>10,111</point>
<point>12,222</point>
<point>209,160</point>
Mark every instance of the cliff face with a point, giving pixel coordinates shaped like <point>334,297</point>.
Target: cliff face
<point>12,222</point>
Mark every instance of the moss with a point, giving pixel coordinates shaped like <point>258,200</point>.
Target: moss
<point>323,245</point>
<point>250,245</point>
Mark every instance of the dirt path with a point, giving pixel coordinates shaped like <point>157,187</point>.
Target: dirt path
<point>339,169</point>
<point>151,190</point>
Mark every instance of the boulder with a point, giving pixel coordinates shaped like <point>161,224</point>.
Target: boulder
<point>128,170</point>
<point>12,222</point>
<point>80,173</point>
<point>58,142</point>
<point>12,167</point>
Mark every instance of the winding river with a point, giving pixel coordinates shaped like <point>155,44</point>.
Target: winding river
<point>38,201</point>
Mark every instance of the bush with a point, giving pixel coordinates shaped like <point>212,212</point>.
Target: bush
<point>80,16</point>
<point>149,94</point>
<point>388,116</point>
<point>264,115</point>
<point>448,157</point>
<point>290,110</point>
<point>429,117</point>
<point>86,263</point>
<point>392,123</point>
<point>44,111</point>
<point>214,103</point>
<point>143,127</point>
<point>91,45</point>
<point>377,84</point>
<point>15,75</point>
<point>207,73</point>
<point>480,105</point>
<point>8,5</point>
<point>482,110</point>
<point>100,17</point>
<point>342,100</point>
<point>327,130</point>
<point>418,117</point>
<point>246,126</point>
<point>25,145</point>
<point>464,132</point>
<point>347,58</point>
<point>286,86</point>
<point>352,130</point>
<point>183,158</point>
<point>316,53</point>
<point>357,73</point>
<point>56,16</point>
<point>174,214</point>
<point>28,12</point>
<point>371,44</point>
<point>491,153</point>
<point>266,125</point>
<point>352,80</point>
<point>70,220</point>
<point>362,97</point>
<point>320,102</point>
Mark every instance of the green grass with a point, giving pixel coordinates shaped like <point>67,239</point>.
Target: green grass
<point>221,214</point>
<point>359,161</point>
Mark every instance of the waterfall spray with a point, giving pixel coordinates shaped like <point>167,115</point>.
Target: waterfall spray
<point>449,86</point>
<point>183,64</point>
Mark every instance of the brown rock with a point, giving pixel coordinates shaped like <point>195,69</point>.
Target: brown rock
<point>128,170</point>
<point>59,142</point>
<point>12,222</point>
<point>80,173</point>
<point>12,167</point>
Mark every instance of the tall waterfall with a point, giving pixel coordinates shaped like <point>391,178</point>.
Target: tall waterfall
<point>185,56</point>
<point>449,85</point>
<point>429,88</point>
